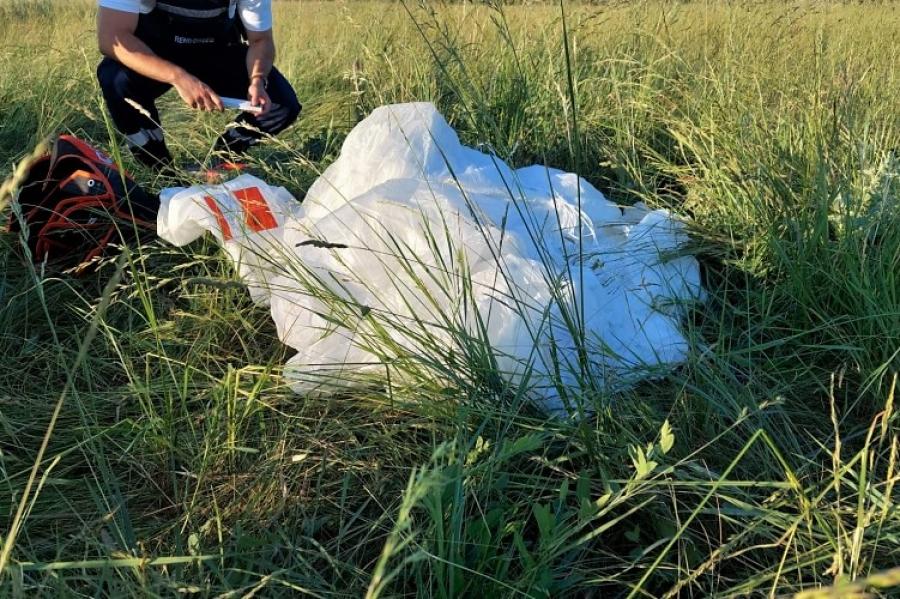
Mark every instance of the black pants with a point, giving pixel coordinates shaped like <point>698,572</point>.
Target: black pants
<point>223,69</point>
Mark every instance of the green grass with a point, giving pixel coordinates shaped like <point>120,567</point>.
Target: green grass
<point>180,462</point>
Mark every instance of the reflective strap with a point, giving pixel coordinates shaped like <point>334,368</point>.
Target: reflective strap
<point>191,12</point>
<point>142,137</point>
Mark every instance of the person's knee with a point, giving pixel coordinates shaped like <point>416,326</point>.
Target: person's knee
<point>112,78</point>
<point>284,97</point>
<point>292,108</point>
<point>285,112</point>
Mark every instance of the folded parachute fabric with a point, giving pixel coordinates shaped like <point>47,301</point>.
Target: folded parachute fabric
<point>247,218</point>
<point>414,251</point>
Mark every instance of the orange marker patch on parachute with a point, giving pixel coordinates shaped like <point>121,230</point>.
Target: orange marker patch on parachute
<point>256,210</point>
<point>220,218</point>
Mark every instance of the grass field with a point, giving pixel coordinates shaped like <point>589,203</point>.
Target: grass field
<point>181,464</point>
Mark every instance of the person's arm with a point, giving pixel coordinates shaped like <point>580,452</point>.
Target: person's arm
<point>260,58</point>
<point>116,38</point>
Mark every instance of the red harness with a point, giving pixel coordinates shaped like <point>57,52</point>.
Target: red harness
<point>75,202</point>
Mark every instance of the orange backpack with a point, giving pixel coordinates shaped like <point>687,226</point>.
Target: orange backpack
<point>75,202</point>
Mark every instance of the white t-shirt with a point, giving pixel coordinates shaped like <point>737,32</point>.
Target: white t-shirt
<point>256,14</point>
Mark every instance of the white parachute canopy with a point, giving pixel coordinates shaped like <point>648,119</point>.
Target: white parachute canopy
<point>417,253</point>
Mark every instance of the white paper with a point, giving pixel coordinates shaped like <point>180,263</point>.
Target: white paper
<point>237,104</point>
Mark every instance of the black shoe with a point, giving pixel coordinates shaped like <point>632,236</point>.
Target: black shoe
<point>154,155</point>
<point>236,141</point>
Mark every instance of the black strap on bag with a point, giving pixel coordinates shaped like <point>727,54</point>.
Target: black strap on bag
<point>75,202</point>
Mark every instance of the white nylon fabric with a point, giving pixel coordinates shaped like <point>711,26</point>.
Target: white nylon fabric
<point>423,244</point>
<point>186,213</point>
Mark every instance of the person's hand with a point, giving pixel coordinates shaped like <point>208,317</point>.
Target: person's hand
<point>197,94</point>
<point>258,95</point>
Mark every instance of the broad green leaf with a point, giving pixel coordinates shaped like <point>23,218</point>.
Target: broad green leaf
<point>666,437</point>
<point>545,520</point>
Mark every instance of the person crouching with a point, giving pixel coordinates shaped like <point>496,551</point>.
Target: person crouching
<point>205,49</point>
